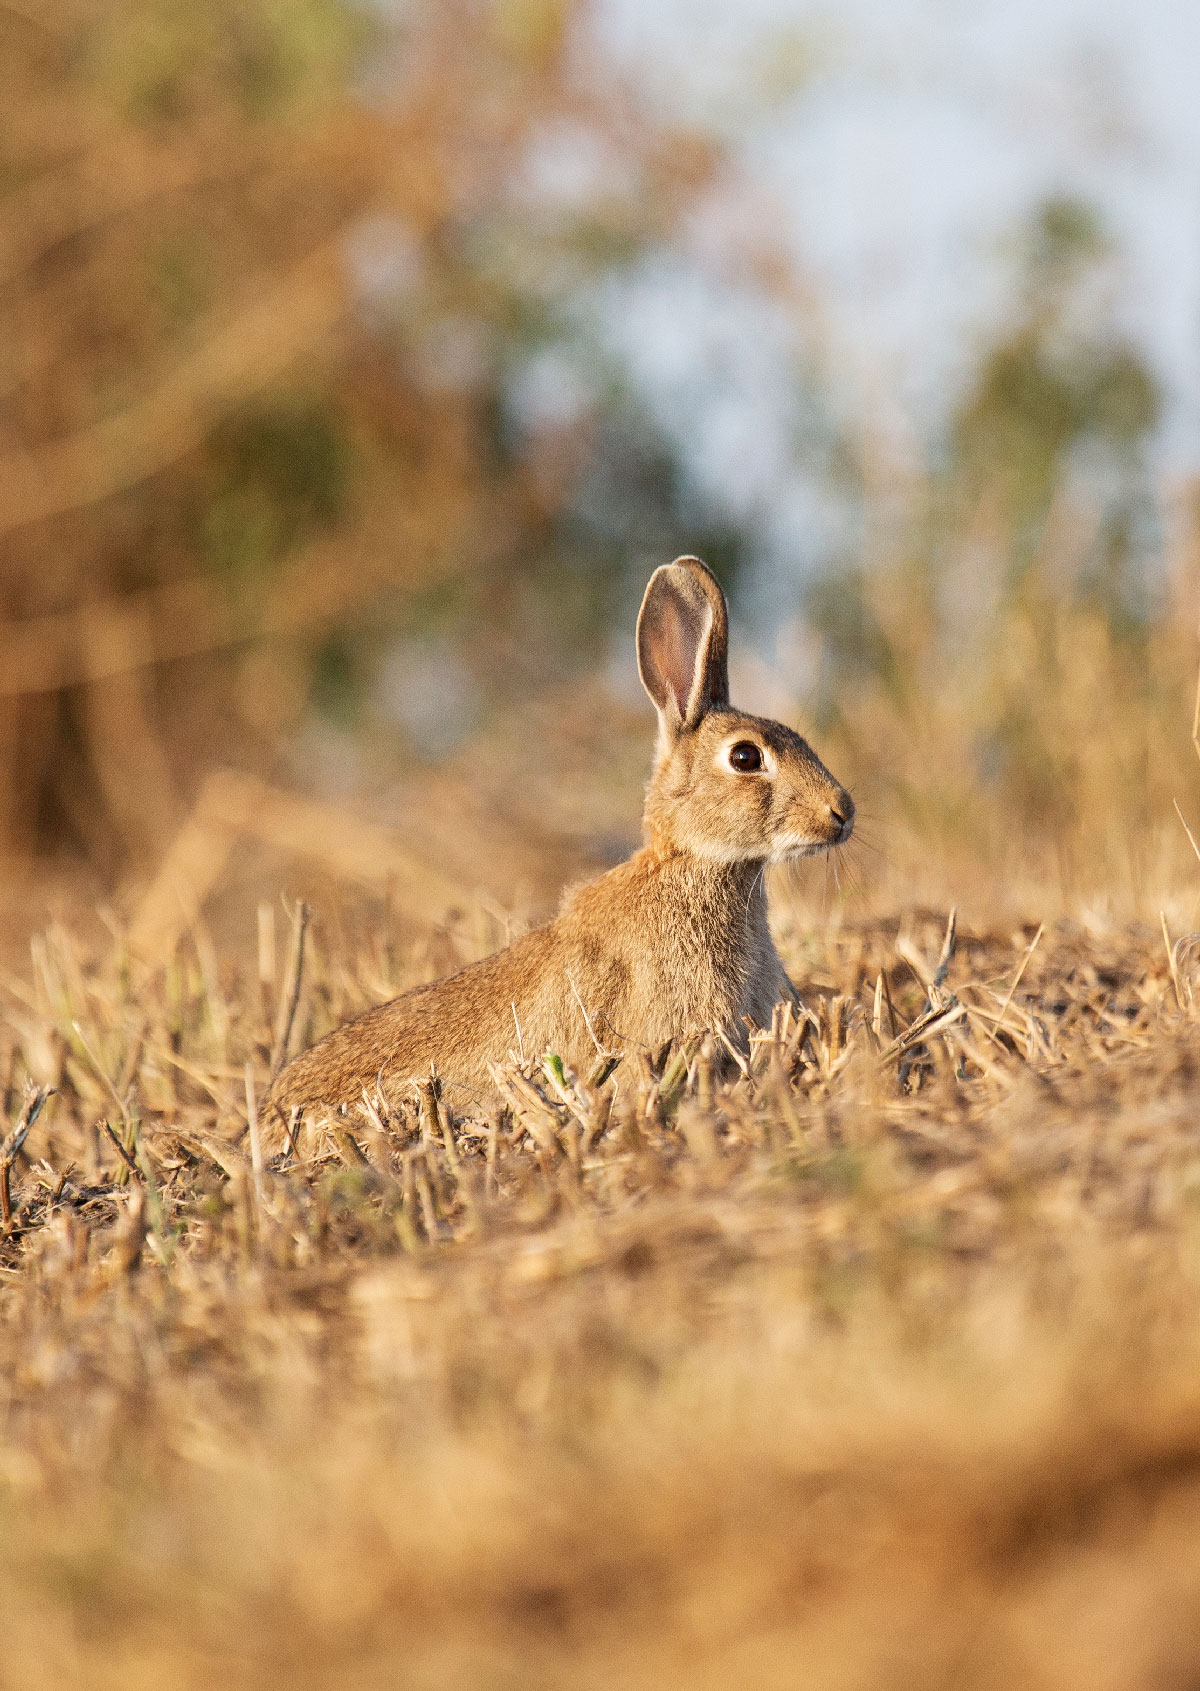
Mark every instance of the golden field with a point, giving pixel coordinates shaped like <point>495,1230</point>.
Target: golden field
<point>873,1365</point>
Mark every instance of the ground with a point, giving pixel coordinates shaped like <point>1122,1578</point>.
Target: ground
<point>872,1365</point>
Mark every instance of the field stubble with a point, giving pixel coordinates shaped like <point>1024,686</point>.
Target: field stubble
<point>872,1361</point>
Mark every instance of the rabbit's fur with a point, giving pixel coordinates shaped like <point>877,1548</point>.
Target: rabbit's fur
<point>671,941</point>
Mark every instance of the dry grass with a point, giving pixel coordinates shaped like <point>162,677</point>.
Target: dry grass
<point>874,1366</point>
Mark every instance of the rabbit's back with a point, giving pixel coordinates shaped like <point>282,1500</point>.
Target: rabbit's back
<point>655,948</point>
<point>461,1023</point>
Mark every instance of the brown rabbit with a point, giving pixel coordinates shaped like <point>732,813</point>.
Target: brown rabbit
<point>673,940</point>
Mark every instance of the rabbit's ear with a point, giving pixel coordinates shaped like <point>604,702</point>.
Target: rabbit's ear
<point>683,643</point>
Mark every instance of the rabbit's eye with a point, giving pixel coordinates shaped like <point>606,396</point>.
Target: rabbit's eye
<point>745,757</point>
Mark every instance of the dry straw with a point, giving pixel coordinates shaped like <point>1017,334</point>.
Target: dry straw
<point>859,1350</point>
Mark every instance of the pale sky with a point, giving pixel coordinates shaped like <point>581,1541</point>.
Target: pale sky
<point>906,141</point>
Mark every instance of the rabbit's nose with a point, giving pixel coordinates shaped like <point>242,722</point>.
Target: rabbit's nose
<point>841,815</point>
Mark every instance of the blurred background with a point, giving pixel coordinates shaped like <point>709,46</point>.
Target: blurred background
<point>360,359</point>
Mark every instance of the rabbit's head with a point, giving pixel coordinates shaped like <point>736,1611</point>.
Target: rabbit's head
<point>726,786</point>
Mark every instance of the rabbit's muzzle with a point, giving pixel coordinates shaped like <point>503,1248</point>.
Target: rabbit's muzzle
<point>821,827</point>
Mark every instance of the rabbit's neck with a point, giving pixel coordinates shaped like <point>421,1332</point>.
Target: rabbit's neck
<point>710,909</point>
<point>694,902</point>
<point>671,942</point>
<point>716,960</point>
<point>708,880</point>
<point>723,903</point>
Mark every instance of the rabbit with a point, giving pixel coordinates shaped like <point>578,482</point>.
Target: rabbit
<point>671,941</point>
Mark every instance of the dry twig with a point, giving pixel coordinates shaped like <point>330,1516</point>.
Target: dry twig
<point>290,997</point>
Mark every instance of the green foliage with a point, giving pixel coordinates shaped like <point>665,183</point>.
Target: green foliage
<point>1061,378</point>
<point>283,472</point>
<point>236,161</point>
<point>181,280</point>
<point>855,638</point>
<point>337,679</point>
<point>1002,680</point>
<point>165,60</point>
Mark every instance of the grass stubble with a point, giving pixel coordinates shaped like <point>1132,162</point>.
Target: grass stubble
<point>873,1361</point>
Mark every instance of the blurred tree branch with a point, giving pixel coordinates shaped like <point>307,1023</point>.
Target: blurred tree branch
<point>231,363</point>
<point>265,272</point>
